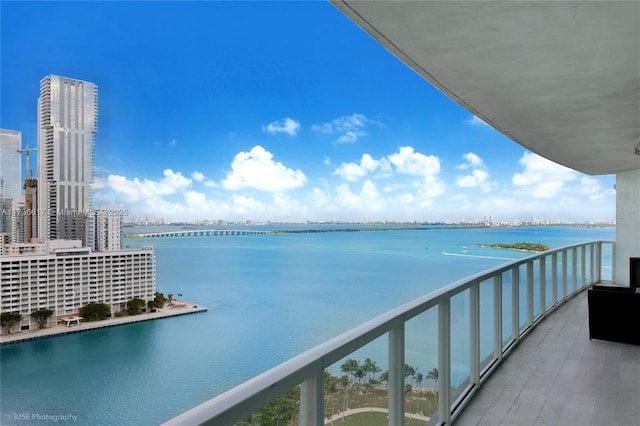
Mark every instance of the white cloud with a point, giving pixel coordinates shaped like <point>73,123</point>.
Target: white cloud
<point>479,176</point>
<point>197,176</point>
<point>366,201</point>
<point>476,121</point>
<point>471,160</point>
<point>542,178</point>
<point>257,170</point>
<point>286,125</point>
<point>407,161</point>
<point>476,178</point>
<point>354,171</point>
<point>348,128</point>
<point>136,189</point>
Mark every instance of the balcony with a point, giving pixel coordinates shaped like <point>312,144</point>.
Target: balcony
<point>528,357</point>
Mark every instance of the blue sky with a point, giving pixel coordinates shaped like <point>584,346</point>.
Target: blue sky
<point>281,111</point>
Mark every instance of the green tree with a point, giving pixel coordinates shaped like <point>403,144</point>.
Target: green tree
<point>409,371</point>
<point>135,305</point>
<point>281,411</point>
<point>418,379</point>
<point>371,368</point>
<point>349,367</point>
<point>330,389</point>
<point>41,316</point>
<point>9,319</point>
<point>158,302</point>
<point>433,375</point>
<point>170,297</point>
<point>95,311</point>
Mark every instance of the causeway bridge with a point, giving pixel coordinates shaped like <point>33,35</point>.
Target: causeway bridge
<point>197,233</point>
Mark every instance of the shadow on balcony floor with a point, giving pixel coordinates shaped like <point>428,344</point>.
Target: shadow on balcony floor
<point>557,376</point>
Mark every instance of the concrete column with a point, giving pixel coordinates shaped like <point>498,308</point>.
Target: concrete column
<point>627,223</point>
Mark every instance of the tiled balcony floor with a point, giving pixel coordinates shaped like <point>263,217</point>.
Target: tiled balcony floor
<point>557,376</point>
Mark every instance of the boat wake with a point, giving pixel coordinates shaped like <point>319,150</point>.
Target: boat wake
<point>475,255</point>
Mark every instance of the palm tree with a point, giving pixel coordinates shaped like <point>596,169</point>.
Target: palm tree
<point>371,368</point>
<point>418,379</point>
<point>384,377</point>
<point>349,367</point>
<point>330,388</point>
<point>433,375</point>
<point>409,371</point>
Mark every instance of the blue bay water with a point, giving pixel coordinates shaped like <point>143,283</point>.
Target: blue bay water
<point>269,297</point>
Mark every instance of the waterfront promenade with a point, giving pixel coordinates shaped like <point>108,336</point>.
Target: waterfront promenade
<point>178,307</point>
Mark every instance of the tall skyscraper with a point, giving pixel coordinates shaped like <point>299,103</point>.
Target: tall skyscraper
<point>67,124</point>
<point>10,175</point>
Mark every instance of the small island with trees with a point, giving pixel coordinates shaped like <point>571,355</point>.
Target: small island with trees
<point>533,247</point>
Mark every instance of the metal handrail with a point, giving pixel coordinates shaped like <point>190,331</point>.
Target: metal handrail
<point>307,369</point>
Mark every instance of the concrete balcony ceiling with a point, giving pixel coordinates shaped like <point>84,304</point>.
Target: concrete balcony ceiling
<point>562,78</point>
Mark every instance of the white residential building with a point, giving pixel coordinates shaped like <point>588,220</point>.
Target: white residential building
<point>70,276</point>
<point>104,229</point>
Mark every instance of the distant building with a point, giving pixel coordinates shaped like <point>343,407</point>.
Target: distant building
<point>17,220</point>
<point>31,209</point>
<point>67,124</point>
<point>104,230</point>
<point>10,175</point>
<point>63,254</point>
<point>69,276</point>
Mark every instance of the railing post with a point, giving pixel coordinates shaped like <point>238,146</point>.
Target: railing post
<point>312,400</point>
<point>597,262</point>
<point>543,285</point>
<point>554,277</point>
<point>396,376</point>
<point>529,294</point>
<point>497,317</point>
<point>613,263</point>
<point>595,276</point>
<point>583,259</point>
<point>474,327</point>
<point>574,269</point>
<point>564,274</point>
<point>444,362</point>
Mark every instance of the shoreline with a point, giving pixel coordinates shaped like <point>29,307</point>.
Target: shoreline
<point>179,307</point>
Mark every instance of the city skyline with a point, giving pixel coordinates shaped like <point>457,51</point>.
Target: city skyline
<point>290,113</point>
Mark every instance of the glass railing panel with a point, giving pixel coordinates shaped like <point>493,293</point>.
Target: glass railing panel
<point>460,343</point>
<point>283,411</point>
<point>537,304</point>
<point>421,343</point>
<point>570,274</point>
<point>588,250</point>
<point>579,265</point>
<point>522,297</point>
<point>560,277</point>
<point>487,323</point>
<point>548,281</point>
<point>606,259</point>
<point>507,309</point>
<point>358,381</point>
